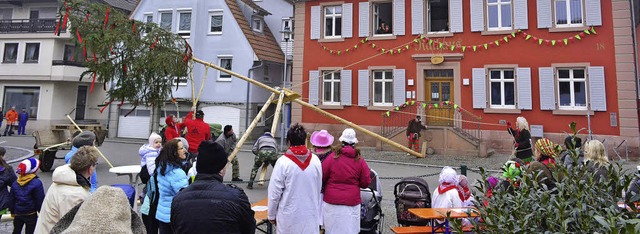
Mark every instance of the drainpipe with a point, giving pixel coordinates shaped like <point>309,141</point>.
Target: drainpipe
<point>256,65</point>
<point>634,34</point>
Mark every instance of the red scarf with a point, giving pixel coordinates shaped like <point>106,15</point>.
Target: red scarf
<point>464,193</point>
<point>301,150</point>
<point>444,187</point>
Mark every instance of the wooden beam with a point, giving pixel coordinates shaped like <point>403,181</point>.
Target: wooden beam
<point>250,128</point>
<point>103,157</point>
<point>276,115</point>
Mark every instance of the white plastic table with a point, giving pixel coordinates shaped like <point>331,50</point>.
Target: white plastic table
<point>132,171</point>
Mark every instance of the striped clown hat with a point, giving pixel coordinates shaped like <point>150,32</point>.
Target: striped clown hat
<point>28,166</point>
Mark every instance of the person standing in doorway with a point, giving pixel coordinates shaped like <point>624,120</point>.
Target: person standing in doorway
<point>413,133</point>
<point>22,121</point>
<point>228,140</point>
<point>266,153</point>
<point>12,117</point>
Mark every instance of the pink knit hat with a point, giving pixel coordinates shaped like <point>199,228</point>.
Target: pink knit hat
<point>321,138</point>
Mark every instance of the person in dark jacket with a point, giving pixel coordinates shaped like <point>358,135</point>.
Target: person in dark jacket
<point>22,121</point>
<point>7,177</point>
<point>208,205</point>
<point>522,137</point>
<point>413,133</point>
<point>28,194</point>
<point>572,143</point>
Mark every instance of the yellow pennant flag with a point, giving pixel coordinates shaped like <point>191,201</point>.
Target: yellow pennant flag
<point>373,45</point>
<point>464,48</point>
<point>486,46</point>
<point>441,45</point>
<point>513,34</point>
<point>399,50</point>
<point>346,51</point>
<point>387,113</point>
<point>453,47</point>
<point>506,39</point>
<point>383,50</point>
<point>578,37</point>
<point>397,108</point>
<point>528,37</point>
<point>339,52</point>
<point>355,46</point>
<point>553,42</point>
<point>407,47</point>
<point>593,30</point>
<point>540,41</point>
<point>474,48</point>
<point>497,43</point>
<point>587,31</point>
<point>566,41</point>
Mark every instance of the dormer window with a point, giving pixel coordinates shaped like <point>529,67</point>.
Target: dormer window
<point>257,24</point>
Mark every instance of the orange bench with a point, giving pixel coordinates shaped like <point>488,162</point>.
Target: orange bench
<point>423,229</point>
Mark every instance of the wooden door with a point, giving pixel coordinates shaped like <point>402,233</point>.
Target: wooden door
<point>439,89</point>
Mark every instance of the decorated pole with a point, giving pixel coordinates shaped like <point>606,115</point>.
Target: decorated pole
<point>276,116</point>
<point>312,107</point>
<point>250,128</point>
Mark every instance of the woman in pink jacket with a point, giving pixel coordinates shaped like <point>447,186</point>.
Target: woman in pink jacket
<point>343,174</point>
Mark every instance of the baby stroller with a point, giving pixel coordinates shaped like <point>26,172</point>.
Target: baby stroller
<point>371,216</point>
<point>411,192</point>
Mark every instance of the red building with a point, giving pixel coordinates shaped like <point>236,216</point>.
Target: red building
<point>468,67</point>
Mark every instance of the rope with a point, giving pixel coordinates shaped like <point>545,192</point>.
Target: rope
<point>447,118</point>
<point>352,64</point>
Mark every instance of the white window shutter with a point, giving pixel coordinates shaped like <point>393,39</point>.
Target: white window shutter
<point>455,16</point>
<point>345,88</point>
<point>597,91</point>
<point>593,12</point>
<point>479,82</point>
<point>521,15</point>
<point>314,83</point>
<point>363,15</point>
<point>363,88</point>
<point>398,17</point>
<point>398,87</point>
<point>315,22</point>
<point>347,20</point>
<point>477,15</point>
<point>417,17</point>
<point>547,88</point>
<point>544,14</point>
<point>524,88</point>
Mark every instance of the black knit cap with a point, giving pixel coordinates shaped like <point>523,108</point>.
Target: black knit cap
<point>211,158</point>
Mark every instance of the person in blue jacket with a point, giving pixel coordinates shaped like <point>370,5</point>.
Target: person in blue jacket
<point>28,194</point>
<point>171,179</point>
<point>82,139</point>
<point>22,121</point>
<point>7,177</point>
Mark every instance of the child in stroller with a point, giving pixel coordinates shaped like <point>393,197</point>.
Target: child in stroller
<point>371,216</point>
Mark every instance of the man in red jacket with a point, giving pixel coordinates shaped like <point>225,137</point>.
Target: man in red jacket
<point>197,131</point>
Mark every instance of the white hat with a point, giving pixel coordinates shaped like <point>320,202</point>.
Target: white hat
<point>349,136</point>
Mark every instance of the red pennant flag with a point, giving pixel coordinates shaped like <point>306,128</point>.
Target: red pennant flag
<point>79,37</point>
<point>93,82</point>
<point>106,105</point>
<point>106,18</point>
<point>95,58</point>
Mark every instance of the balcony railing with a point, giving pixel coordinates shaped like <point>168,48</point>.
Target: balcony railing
<point>28,25</point>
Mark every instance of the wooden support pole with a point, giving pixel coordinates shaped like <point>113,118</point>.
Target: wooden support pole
<point>312,107</point>
<point>103,157</point>
<point>250,128</point>
<point>276,115</point>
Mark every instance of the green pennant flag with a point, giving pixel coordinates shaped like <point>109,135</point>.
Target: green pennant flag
<point>373,45</point>
<point>474,48</point>
<point>506,39</point>
<point>390,51</point>
<point>406,103</point>
<point>339,52</point>
<point>540,41</point>
<point>497,43</point>
<point>406,47</point>
<point>435,105</point>
<point>587,31</point>
<point>387,113</point>
<point>593,30</point>
<point>421,36</point>
<point>415,40</point>
<point>446,102</point>
<point>553,42</point>
<point>362,41</point>
<point>346,51</point>
<point>397,108</point>
<point>528,37</point>
<point>453,47</point>
<point>566,41</point>
<point>331,51</point>
<point>424,105</point>
<point>383,50</point>
<point>519,30</point>
<point>399,50</point>
<point>324,48</point>
<point>513,34</point>
<point>455,106</point>
<point>464,48</point>
<point>413,102</point>
<point>366,39</point>
<point>578,37</point>
<point>486,46</point>
<point>355,46</point>
<point>430,41</point>
<point>441,45</point>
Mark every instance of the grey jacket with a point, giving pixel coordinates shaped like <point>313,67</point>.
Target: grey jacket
<point>228,143</point>
<point>265,140</point>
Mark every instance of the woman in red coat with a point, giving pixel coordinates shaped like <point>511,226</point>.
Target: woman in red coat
<point>343,174</point>
<point>173,129</point>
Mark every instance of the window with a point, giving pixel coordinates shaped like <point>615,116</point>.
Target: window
<point>568,13</point>
<point>382,88</point>
<point>225,62</point>
<point>437,16</point>
<point>572,91</point>
<point>215,22</point>
<point>502,86</point>
<point>148,18</point>
<point>184,23</point>
<point>180,81</point>
<point>382,18</point>
<point>265,72</point>
<point>72,55</point>
<point>257,24</point>
<point>166,20</point>
<point>499,14</point>
<point>330,88</point>
<point>332,21</point>
<point>32,53</point>
<point>22,97</point>
<point>10,53</point>
<point>288,23</point>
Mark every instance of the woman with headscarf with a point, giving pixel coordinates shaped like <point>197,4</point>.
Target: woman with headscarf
<point>522,138</point>
<point>343,174</point>
<point>446,194</point>
<point>465,193</point>
<point>546,152</point>
<point>173,128</point>
<point>321,141</point>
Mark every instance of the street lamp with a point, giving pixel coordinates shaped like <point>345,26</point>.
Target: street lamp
<point>286,33</point>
